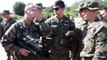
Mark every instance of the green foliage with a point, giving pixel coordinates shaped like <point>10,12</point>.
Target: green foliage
<point>17,17</point>
<point>46,14</point>
<point>70,11</point>
<point>48,11</point>
<point>18,8</point>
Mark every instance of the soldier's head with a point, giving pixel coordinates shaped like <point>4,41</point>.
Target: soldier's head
<point>58,7</point>
<point>6,14</point>
<point>88,10</point>
<point>30,11</point>
<point>103,13</point>
<point>40,7</point>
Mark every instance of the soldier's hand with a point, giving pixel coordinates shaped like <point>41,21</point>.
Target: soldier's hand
<point>24,52</point>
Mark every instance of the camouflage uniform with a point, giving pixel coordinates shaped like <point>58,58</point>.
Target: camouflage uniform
<point>15,39</point>
<point>45,42</point>
<point>95,44</point>
<point>80,27</point>
<point>94,33</point>
<point>63,38</point>
<point>5,25</point>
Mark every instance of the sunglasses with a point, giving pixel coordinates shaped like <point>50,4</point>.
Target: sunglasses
<point>56,9</point>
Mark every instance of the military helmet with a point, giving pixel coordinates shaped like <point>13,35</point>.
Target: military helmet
<point>88,5</point>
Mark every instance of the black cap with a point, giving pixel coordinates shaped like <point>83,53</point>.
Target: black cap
<point>39,5</point>
<point>6,12</point>
<point>60,3</point>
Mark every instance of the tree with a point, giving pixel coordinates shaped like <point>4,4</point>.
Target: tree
<point>18,8</point>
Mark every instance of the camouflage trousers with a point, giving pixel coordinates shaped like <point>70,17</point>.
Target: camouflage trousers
<point>60,54</point>
<point>10,55</point>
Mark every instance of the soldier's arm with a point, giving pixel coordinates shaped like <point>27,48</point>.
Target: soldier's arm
<point>73,39</point>
<point>73,35</point>
<point>101,45</point>
<point>46,27</point>
<point>9,38</point>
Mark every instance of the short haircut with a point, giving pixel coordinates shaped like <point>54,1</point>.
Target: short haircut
<point>60,3</point>
<point>28,6</point>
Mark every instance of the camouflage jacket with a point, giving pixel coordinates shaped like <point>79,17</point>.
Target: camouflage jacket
<point>95,41</point>
<point>17,32</point>
<point>5,25</point>
<point>63,35</point>
<point>90,43</point>
<point>80,27</point>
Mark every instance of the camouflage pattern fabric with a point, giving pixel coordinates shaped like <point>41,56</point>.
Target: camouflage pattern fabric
<point>18,31</point>
<point>63,37</point>
<point>6,24</point>
<point>94,41</point>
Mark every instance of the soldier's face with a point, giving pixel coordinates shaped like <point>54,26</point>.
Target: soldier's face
<point>40,10</point>
<point>88,14</point>
<point>5,15</point>
<point>103,14</point>
<point>58,10</point>
<point>31,12</point>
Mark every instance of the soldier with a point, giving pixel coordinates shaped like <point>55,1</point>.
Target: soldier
<point>103,14</point>
<point>5,25</point>
<point>39,20</point>
<point>94,32</point>
<point>62,34</point>
<point>7,21</point>
<point>23,37</point>
<point>40,8</point>
<point>80,25</point>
